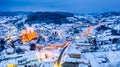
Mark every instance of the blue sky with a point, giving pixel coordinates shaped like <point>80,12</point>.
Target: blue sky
<point>76,6</point>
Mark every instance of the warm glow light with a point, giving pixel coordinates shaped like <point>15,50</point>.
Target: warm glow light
<point>38,55</point>
<point>45,55</point>
<point>90,28</point>
<point>67,44</point>
<point>87,32</point>
<point>28,34</point>
<point>56,65</point>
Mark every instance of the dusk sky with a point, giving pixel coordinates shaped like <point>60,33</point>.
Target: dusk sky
<point>76,6</point>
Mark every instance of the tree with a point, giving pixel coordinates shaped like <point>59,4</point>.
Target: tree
<point>32,46</point>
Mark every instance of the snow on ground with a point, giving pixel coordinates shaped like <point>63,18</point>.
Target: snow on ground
<point>103,59</point>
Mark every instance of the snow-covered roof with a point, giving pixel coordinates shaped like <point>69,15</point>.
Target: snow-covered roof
<point>73,50</point>
<point>69,59</point>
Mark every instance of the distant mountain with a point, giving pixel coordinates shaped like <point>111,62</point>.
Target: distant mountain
<point>9,13</point>
<point>108,14</point>
<point>48,17</point>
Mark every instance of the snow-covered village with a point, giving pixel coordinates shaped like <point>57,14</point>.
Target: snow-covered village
<point>59,39</point>
<point>59,33</point>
